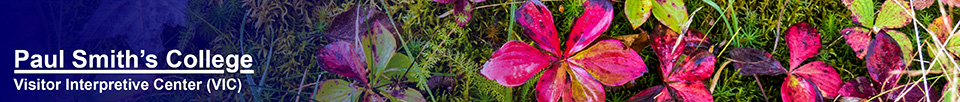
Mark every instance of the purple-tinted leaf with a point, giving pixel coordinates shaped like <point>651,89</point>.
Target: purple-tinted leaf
<point>692,92</point>
<point>337,90</point>
<point>756,62</point>
<point>850,99</point>
<point>478,0</point>
<point>610,62</point>
<point>884,56</point>
<point>921,4</point>
<point>345,25</point>
<point>803,42</point>
<point>859,87</point>
<point>647,95</point>
<point>861,11</point>
<point>445,1</point>
<point>799,89</point>
<point>821,74</point>
<point>343,59</point>
<point>463,11</point>
<point>586,89</point>
<point>891,15</point>
<point>405,95</point>
<point>637,11</point>
<point>537,22</point>
<point>913,93</point>
<point>594,21</point>
<point>139,23</point>
<point>906,47</point>
<point>515,63</point>
<point>695,68</point>
<point>858,38</point>
<point>553,84</point>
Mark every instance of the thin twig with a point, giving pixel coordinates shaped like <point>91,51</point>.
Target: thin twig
<point>779,21</point>
<point>445,14</point>
<point>764,92</point>
<point>302,79</point>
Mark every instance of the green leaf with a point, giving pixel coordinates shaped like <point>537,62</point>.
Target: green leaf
<point>336,90</point>
<point>892,16</point>
<point>950,92</point>
<point>379,45</point>
<point>953,46</point>
<point>398,66</point>
<point>861,11</point>
<point>637,11</point>
<point>671,13</point>
<point>399,61</point>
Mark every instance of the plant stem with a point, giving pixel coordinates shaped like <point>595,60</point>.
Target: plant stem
<point>301,83</point>
<point>764,92</point>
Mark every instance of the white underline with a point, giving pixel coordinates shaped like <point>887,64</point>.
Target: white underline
<point>212,71</point>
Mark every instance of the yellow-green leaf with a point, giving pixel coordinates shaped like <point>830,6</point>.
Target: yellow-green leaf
<point>671,13</point>
<point>892,15</point>
<point>861,11</point>
<point>638,11</point>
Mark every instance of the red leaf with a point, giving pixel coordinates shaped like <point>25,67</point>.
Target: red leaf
<point>859,87</point>
<point>696,68</point>
<point>553,84</point>
<point>663,41</point>
<point>799,89</point>
<point>858,38</point>
<point>463,11</point>
<point>594,21</point>
<point>884,56</point>
<point>692,92</point>
<point>343,59</point>
<point>610,62</point>
<point>515,63</point>
<point>756,62</point>
<point>695,41</point>
<point>584,86</point>
<point>803,42</point>
<point>537,22</point>
<point>647,95</point>
<point>821,74</point>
